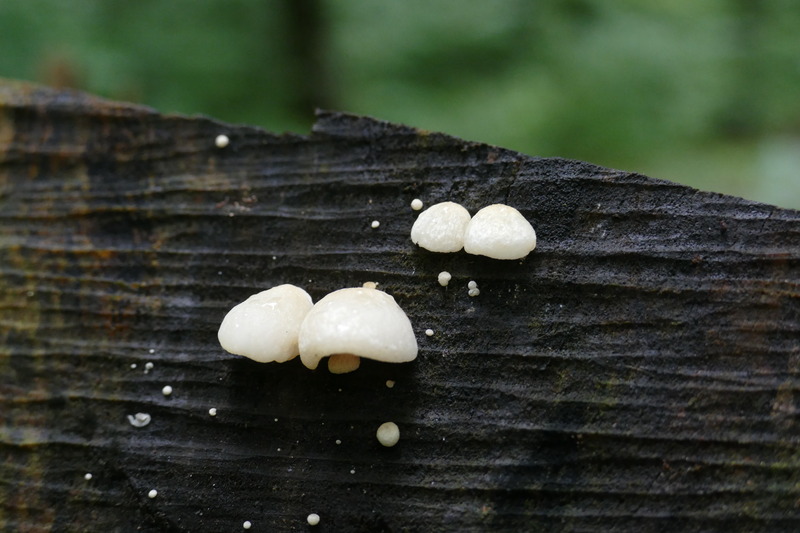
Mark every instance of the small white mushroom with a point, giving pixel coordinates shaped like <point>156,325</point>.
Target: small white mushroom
<point>358,322</point>
<point>416,204</point>
<point>312,519</point>
<point>266,325</point>
<point>444,278</point>
<point>167,390</point>
<point>247,524</point>
<point>152,494</point>
<point>370,285</point>
<point>440,228</point>
<point>388,434</point>
<point>212,411</point>
<point>429,332</point>
<point>500,232</point>
<point>87,476</point>
<point>221,141</point>
<point>375,224</point>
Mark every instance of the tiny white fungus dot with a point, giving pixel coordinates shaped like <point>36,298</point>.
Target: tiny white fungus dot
<point>148,366</point>
<point>338,441</point>
<point>388,434</point>
<point>212,411</point>
<point>472,285</point>
<point>416,204</point>
<point>375,224</point>
<point>87,476</point>
<point>353,471</point>
<point>444,278</point>
<point>167,390</point>
<point>429,332</point>
<point>312,519</point>
<point>370,285</point>
<point>390,383</point>
<point>152,350</point>
<point>474,292</point>
<point>222,141</point>
<point>247,524</point>
<point>152,494</point>
<point>139,420</point>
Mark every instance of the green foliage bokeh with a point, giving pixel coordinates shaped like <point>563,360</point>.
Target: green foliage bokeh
<point>705,93</point>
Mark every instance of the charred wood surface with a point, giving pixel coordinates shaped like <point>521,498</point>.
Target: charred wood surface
<point>639,371</point>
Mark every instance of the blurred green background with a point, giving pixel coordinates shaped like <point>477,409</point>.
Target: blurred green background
<point>702,92</point>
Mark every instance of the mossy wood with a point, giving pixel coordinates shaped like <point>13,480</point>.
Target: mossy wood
<point>639,371</point>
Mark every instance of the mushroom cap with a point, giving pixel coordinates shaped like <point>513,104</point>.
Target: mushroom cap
<point>500,232</point>
<point>265,327</point>
<point>359,321</point>
<point>440,228</point>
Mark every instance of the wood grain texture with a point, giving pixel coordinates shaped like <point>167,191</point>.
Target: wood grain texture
<point>640,371</point>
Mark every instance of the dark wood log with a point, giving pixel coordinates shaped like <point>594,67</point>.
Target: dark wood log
<point>640,371</point>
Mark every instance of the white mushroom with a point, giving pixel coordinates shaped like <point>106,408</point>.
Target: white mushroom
<point>500,232</point>
<point>359,322</point>
<point>416,204</point>
<point>444,278</point>
<point>221,141</point>
<point>440,228</point>
<point>265,326</point>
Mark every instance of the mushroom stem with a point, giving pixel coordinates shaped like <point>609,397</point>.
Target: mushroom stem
<point>342,363</point>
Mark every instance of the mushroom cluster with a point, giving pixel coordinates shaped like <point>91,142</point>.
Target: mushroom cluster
<point>281,323</point>
<point>497,231</point>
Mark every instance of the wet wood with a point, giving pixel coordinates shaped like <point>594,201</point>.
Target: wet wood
<point>640,371</point>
